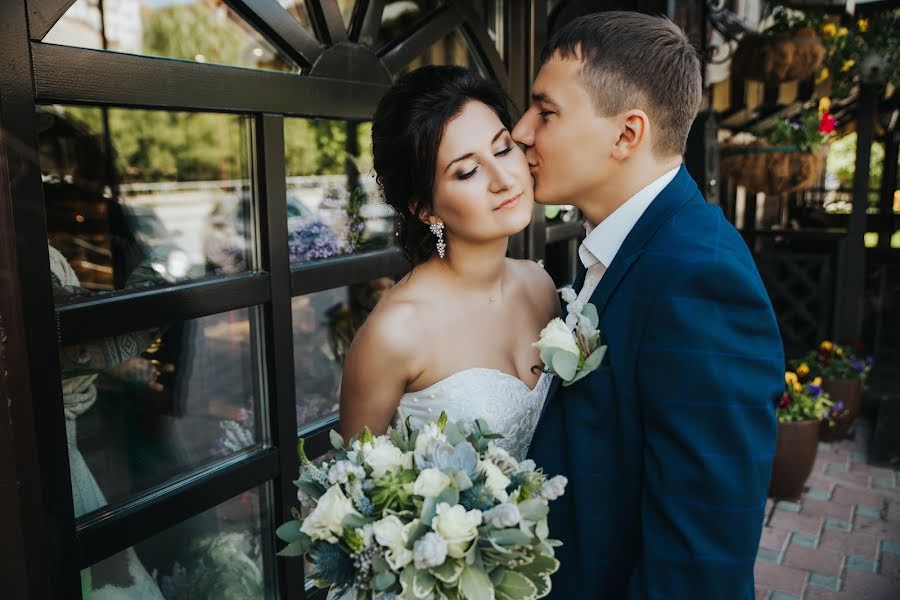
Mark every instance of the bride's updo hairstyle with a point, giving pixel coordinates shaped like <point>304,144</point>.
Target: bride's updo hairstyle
<point>406,133</point>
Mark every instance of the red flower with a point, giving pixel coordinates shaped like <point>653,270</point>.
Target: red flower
<point>827,123</point>
<point>785,401</point>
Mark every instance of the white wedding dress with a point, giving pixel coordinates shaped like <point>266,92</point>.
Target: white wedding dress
<point>509,406</point>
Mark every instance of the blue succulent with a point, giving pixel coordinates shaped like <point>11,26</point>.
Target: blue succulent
<point>441,455</point>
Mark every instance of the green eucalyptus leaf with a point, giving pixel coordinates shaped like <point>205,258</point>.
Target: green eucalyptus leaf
<point>565,364</point>
<point>423,584</point>
<point>515,586</point>
<point>533,510</point>
<point>384,580</point>
<point>541,565</point>
<point>449,495</point>
<point>448,572</point>
<point>296,548</point>
<point>511,537</point>
<point>337,442</point>
<point>353,521</point>
<point>547,356</point>
<point>590,311</point>
<point>476,585</point>
<point>593,361</point>
<point>429,509</point>
<point>289,532</point>
<point>311,488</point>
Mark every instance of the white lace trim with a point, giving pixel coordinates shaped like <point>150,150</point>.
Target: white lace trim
<point>503,400</point>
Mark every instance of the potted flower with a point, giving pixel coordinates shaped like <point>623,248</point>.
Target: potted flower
<point>843,374</point>
<point>789,156</point>
<point>788,49</point>
<point>799,412</point>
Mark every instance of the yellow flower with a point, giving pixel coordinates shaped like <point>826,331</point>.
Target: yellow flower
<point>839,351</point>
<point>798,388</point>
<point>790,378</point>
<point>829,29</point>
<point>802,370</point>
<point>842,32</point>
<point>826,346</point>
<point>823,75</point>
<point>824,104</point>
<point>863,25</point>
<point>817,382</point>
<point>848,64</point>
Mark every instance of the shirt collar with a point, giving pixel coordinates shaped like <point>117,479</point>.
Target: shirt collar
<point>602,242</point>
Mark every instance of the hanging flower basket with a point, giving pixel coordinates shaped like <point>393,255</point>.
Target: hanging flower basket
<point>761,167</point>
<point>779,58</point>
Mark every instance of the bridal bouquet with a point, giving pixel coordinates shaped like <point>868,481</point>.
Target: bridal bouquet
<point>437,513</point>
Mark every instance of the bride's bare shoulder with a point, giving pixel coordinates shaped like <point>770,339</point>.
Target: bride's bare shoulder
<point>536,285</point>
<point>392,329</point>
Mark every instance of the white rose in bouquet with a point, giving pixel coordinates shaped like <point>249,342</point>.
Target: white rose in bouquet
<point>496,481</point>
<point>556,335</point>
<point>430,483</point>
<point>324,522</point>
<point>456,526</point>
<point>391,533</point>
<point>384,456</point>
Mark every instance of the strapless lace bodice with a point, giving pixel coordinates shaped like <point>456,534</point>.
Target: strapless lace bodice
<point>504,401</point>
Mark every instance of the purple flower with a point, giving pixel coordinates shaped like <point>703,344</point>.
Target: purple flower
<point>837,408</point>
<point>857,365</point>
<point>814,390</point>
<point>313,240</point>
<point>869,361</point>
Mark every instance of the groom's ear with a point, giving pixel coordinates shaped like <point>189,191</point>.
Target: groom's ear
<point>634,133</point>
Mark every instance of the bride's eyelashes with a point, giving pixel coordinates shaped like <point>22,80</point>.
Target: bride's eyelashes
<point>504,152</point>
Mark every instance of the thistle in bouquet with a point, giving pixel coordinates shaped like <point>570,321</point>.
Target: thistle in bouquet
<point>434,512</point>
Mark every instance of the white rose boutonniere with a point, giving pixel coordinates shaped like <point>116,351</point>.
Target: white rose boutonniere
<point>571,349</point>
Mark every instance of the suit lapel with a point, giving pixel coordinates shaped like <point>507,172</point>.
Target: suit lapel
<point>676,194</point>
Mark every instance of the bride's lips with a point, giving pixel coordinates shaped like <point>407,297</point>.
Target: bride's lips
<point>510,202</point>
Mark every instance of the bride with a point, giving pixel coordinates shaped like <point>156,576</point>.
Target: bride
<point>456,333</point>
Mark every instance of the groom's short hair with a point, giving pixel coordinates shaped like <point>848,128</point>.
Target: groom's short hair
<point>633,60</point>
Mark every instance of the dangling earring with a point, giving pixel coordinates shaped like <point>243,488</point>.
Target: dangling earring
<point>438,230</point>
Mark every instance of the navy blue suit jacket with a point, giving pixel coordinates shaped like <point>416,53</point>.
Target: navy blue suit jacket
<point>668,445</point>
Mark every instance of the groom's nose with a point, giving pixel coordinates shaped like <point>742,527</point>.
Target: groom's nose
<point>523,132</point>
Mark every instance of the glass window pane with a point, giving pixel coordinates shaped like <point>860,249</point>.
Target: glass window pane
<point>223,553</point>
<point>333,203</point>
<point>494,11</point>
<point>298,10</point>
<point>451,50</point>
<point>140,198</point>
<point>324,324</point>
<point>195,30</point>
<point>145,407</point>
<point>400,17</point>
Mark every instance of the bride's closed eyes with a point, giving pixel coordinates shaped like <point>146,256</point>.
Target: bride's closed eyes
<point>502,152</point>
<point>467,171</point>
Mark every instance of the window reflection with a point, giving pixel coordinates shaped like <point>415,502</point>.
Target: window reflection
<point>324,324</point>
<point>196,30</point>
<point>451,50</point>
<point>144,407</point>
<point>140,198</point>
<point>224,552</point>
<point>333,204</point>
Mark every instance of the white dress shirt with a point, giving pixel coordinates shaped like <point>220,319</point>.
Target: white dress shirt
<point>602,243</point>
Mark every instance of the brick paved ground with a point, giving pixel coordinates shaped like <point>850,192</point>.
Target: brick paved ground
<point>841,540</point>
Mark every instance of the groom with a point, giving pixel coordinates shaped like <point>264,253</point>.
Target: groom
<point>668,444</point>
